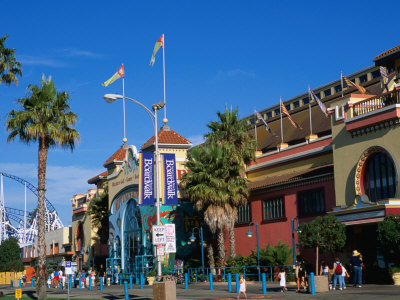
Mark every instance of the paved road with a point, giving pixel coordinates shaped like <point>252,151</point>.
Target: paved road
<point>202,291</point>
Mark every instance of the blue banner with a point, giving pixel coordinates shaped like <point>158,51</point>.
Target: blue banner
<point>170,191</point>
<point>146,180</point>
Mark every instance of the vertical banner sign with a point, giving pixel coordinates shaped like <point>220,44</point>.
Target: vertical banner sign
<point>170,193</point>
<point>146,180</point>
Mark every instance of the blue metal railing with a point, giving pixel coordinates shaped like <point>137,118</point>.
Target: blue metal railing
<point>249,271</point>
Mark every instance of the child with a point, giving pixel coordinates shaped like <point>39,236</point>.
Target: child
<point>282,277</point>
<point>344,275</point>
<point>48,282</point>
<point>242,286</point>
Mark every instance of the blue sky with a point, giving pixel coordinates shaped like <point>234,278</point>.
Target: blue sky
<point>243,54</point>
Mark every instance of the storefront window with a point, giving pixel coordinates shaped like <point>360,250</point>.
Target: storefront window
<point>379,177</point>
<point>311,202</point>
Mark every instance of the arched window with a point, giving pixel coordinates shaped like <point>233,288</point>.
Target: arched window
<point>379,177</point>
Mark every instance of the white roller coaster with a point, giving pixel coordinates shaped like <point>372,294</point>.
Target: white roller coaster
<point>22,224</point>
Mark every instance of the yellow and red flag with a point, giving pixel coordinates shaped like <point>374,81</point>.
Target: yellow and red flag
<point>120,73</point>
<point>351,83</point>
<point>293,122</point>
<point>159,44</point>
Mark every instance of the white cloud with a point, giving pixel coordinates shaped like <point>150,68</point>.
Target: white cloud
<point>62,182</point>
<point>71,52</point>
<point>40,61</point>
<point>196,140</point>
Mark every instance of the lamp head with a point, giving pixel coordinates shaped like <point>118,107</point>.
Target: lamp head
<point>192,238</point>
<point>110,98</point>
<point>249,233</point>
<point>158,106</point>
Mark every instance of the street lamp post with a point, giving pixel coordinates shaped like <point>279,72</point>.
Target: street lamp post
<point>293,241</point>
<point>250,234</point>
<point>153,116</point>
<point>193,238</point>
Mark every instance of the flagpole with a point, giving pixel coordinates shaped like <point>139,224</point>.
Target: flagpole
<point>309,108</point>
<point>255,127</point>
<point>163,51</point>
<point>123,104</point>
<point>280,109</point>
<point>341,81</point>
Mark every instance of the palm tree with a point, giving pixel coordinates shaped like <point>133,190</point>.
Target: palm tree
<point>205,187</point>
<point>9,67</point>
<point>45,117</point>
<point>233,136</point>
<point>98,212</point>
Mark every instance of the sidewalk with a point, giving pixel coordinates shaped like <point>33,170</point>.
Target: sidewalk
<point>202,291</point>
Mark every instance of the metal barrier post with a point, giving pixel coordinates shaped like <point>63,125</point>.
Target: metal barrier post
<point>312,283</point>
<point>80,283</point>
<point>20,283</point>
<point>237,283</point>
<point>272,275</point>
<point>126,290</point>
<point>90,283</point>
<point>211,282</point>
<point>141,280</point>
<point>11,284</point>
<point>130,281</point>
<point>229,282</point>
<point>264,283</point>
<point>33,282</point>
<point>186,281</point>
<point>101,283</point>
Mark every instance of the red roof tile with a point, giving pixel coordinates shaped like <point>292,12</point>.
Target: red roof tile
<point>104,174</point>
<point>119,156</point>
<point>387,52</point>
<point>167,136</point>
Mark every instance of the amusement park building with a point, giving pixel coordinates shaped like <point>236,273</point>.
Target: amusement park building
<point>346,164</point>
<point>130,224</point>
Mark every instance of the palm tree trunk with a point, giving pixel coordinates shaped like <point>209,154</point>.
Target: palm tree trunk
<point>41,285</point>
<point>221,247</point>
<point>316,261</point>
<point>232,240</point>
<point>210,255</point>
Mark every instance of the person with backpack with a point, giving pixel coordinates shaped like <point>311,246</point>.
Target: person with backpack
<point>337,274</point>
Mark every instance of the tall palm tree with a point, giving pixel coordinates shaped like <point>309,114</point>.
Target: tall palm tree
<point>98,212</point>
<point>10,68</point>
<point>205,187</point>
<point>45,117</point>
<point>233,136</point>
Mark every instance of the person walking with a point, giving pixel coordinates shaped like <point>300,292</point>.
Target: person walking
<point>337,274</point>
<point>300,274</point>
<point>325,271</point>
<point>282,277</point>
<point>356,262</point>
<point>242,286</point>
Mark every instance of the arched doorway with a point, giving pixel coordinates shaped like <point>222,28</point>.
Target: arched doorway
<point>132,233</point>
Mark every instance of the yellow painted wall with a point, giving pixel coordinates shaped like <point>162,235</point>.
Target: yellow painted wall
<point>6,277</point>
<point>347,152</point>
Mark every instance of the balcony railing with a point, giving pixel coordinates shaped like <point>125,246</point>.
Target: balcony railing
<point>375,103</point>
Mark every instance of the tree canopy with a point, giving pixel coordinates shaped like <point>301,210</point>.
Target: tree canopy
<point>10,259</point>
<point>389,237</point>
<point>10,68</point>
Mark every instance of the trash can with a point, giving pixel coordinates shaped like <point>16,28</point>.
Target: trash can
<point>165,290</point>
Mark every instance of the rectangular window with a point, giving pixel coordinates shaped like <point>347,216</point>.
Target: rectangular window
<point>327,92</point>
<point>296,104</point>
<point>287,106</point>
<point>318,95</point>
<point>375,74</point>
<point>338,88</point>
<point>277,112</point>
<point>363,78</point>
<point>274,209</point>
<point>252,121</point>
<point>311,202</point>
<point>269,114</point>
<point>306,101</point>
<point>244,214</point>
